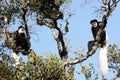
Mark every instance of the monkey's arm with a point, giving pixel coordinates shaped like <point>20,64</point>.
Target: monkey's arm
<point>93,32</point>
<point>103,23</point>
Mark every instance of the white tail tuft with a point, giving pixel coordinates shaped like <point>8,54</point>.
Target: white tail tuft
<point>16,59</point>
<point>103,60</point>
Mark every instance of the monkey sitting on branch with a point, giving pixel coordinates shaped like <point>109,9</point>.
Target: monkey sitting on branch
<point>101,39</point>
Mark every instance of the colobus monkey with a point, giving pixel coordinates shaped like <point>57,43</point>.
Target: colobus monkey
<point>21,45</point>
<point>95,28</point>
<point>21,41</point>
<point>102,43</point>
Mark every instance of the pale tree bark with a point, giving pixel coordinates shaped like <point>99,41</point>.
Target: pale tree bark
<point>58,34</point>
<point>59,37</point>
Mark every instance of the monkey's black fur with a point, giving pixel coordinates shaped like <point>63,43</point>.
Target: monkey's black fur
<point>21,42</point>
<point>102,40</point>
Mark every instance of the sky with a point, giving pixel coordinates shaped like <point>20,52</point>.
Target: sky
<point>81,29</point>
<point>79,32</point>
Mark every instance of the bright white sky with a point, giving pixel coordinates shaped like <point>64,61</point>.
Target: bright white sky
<point>79,32</point>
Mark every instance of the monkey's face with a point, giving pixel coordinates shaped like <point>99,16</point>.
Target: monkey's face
<point>21,30</point>
<point>94,24</point>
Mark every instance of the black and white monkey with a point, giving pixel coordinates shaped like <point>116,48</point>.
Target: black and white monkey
<point>21,41</point>
<point>21,44</point>
<point>102,43</point>
<point>96,26</point>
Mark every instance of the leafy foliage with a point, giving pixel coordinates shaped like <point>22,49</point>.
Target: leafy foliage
<point>88,71</point>
<point>47,8</point>
<point>9,43</point>
<point>114,56</point>
<point>5,69</point>
<point>36,68</point>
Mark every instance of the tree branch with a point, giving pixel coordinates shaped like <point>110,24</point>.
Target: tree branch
<point>24,14</point>
<point>110,5</point>
<point>109,9</point>
<point>61,45</point>
<point>59,37</point>
<point>117,75</point>
<point>81,59</point>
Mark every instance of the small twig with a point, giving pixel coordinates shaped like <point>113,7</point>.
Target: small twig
<point>117,75</point>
